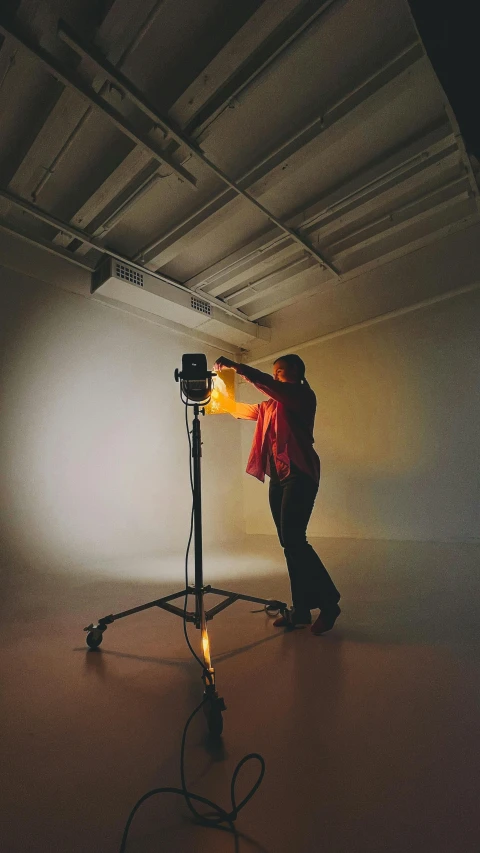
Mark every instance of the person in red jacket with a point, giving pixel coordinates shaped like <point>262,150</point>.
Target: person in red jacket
<point>282,449</point>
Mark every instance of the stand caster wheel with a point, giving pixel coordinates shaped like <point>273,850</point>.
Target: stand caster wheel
<point>94,638</point>
<point>213,713</point>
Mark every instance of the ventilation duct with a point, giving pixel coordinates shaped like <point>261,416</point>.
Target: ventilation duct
<point>116,280</point>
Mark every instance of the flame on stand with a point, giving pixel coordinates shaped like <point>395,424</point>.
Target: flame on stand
<point>206,648</point>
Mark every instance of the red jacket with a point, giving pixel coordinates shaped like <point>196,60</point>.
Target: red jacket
<point>291,411</point>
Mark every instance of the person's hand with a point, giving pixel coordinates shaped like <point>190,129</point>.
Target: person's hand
<point>223,401</point>
<point>223,362</point>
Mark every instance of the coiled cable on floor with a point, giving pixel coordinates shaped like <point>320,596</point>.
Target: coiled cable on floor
<point>218,815</point>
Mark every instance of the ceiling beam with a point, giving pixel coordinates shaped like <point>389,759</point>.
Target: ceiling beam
<point>372,182</point>
<point>303,290</point>
<point>269,283</point>
<point>241,45</point>
<point>110,195</point>
<point>297,287</point>
<point>375,231</point>
<point>43,216</point>
<point>273,283</point>
<point>233,54</point>
<point>74,81</point>
<point>46,246</point>
<point>398,220</point>
<point>125,85</point>
<point>258,263</point>
<point>438,172</point>
<point>354,206</point>
<point>257,29</point>
<point>370,87</point>
<point>282,36</point>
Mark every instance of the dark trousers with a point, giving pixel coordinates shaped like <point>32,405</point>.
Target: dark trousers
<point>291,503</point>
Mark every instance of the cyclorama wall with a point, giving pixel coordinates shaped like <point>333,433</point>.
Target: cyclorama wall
<point>397,429</point>
<point>93,444</point>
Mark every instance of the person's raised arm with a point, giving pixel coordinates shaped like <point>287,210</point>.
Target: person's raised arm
<point>244,411</point>
<point>290,394</point>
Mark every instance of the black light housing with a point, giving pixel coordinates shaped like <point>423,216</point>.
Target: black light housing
<point>195,379</point>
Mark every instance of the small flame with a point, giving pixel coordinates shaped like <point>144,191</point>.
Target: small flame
<point>206,647</point>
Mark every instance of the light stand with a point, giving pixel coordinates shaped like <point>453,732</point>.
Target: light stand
<point>195,391</point>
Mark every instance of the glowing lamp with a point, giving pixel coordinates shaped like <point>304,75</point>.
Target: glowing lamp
<point>195,379</point>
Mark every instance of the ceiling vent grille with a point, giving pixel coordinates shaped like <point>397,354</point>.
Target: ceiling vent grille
<point>199,305</point>
<point>129,274</point>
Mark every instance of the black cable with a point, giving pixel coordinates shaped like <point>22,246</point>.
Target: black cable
<point>218,816</point>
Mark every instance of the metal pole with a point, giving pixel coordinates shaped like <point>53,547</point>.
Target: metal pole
<point>200,615</point>
<point>197,500</point>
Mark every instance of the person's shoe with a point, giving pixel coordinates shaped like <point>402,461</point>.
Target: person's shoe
<point>325,621</point>
<point>291,620</point>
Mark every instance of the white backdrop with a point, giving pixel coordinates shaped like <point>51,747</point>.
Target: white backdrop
<point>397,429</point>
<point>93,446</point>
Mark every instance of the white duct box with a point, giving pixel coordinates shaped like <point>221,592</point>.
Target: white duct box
<point>124,283</point>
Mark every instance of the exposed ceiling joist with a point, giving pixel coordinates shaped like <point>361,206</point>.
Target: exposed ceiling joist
<point>303,288</point>
<point>75,82</point>
<point>108,204</point>
<point>284,34</point>
<point>120,197</point>
<point>370,183</point>
<point>114,192</point>
<point>343,151</point>
<point>399,219</point>
<point>256,264</point>
<point>257,27</point>
<point>384,228</point>
<point>154,251</point>
<point>46,246</point>
<point>237,51</point>
<point>43,216</point>
<point>134,164</point>
<point>384,191</point>
<point>116,76</point>
<point>268,283</point>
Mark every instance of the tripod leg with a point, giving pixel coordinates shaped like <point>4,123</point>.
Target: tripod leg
<point>269,604</point>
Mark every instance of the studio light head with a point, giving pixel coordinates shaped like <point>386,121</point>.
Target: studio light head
<point>195,379</point>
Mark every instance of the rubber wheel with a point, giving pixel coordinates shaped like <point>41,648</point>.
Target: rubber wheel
<point>214,719</point>
<point>94,638</point>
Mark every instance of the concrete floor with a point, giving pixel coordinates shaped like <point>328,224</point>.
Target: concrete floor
<point>370,734</point>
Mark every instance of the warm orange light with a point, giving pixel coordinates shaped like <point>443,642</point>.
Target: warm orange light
<point>206,648</point>
<point>223,393</point>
